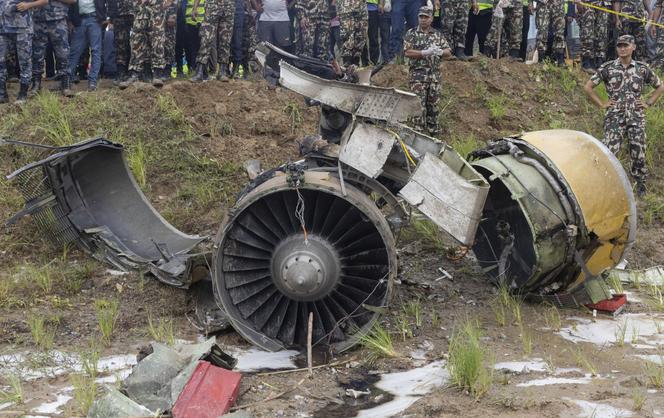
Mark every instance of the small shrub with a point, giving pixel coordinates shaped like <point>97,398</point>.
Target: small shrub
<point>14,393</point>
<point>107,314</point>
<point>85,392</point>
<point>379,342</point>
<point>468,360</point>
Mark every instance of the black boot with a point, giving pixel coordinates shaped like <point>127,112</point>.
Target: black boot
<point>587,65</point>
<point>119,78</point>
<point>222,75</point>
<point>514,54</point>
<point>458,52</point>
<point>559,58</point>
<point>4,97</point>
<point>641,188</point>
<point>65,86</point>
<point>22,93</point>
<point>133,78</point>
<point>36,85</point>
<point>158,77</point>
<point>201,74</point>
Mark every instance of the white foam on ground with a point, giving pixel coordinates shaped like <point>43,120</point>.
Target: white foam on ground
<point>5,405</point>
<point>55,406</point>
<point>407,388</point>
<point>534,365</point>
<point>556,381</point>
<point>654,358</point>
<point>254,359</point>
<point>113,363</point>
<point>592,409</point>
<point>638,327</point>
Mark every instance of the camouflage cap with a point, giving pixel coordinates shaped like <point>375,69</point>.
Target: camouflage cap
<point>426,11</point>
<point>625,40</point>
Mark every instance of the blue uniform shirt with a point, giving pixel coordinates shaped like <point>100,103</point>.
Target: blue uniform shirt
<point>13,21</point>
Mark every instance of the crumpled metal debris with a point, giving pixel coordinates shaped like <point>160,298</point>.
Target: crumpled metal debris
<point>653,276</point>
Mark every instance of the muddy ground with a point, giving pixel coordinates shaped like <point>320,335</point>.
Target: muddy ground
<point>195,139</point>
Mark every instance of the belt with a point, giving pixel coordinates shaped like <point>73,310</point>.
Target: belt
<point>88,15</point>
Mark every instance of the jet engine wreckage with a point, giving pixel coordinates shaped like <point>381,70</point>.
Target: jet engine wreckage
<point>546,214</point>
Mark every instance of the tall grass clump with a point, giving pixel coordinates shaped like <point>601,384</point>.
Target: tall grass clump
<point>469,362</point>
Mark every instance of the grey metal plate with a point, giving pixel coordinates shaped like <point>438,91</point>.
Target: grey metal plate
<point>367,149</point>
<point>446,198</point>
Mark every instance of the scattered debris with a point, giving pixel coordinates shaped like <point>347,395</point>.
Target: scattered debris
<point>628,328</point>
<point>356,394</point>
<point>209,393</point>
<point>653,276</point>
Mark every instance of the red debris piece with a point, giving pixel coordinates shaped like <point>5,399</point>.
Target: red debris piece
<point>209,393</point>
<point>615,304</point>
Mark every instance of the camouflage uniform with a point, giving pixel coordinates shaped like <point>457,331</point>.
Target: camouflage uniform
<point>424,76</point>
<point>658,61</point>
<point>550,15</point>
<point>354,19</point>
<point>633,27</point>
<point>216,31</point>
<point>16,28</point>
<point>148,36</point>
<point>169,33</point>
<point>51,24</point>
<point>122,24</point>
<point>511,31</point>
<point>594,30</point>
<point>315,38</point>
<point>455,21</point>
<point>625,119</point>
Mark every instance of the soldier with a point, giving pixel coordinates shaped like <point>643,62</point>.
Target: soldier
<point>625,26</point>
<point>51,25</point>
<point>170,16</point>
<point>147,41</point>
<point>658,34</point>
<point>122,18</point>
<point>510,26</point>
<point>455,23</point>
<point>624,79</point>
<point>354,19</point>
<point>594,34</point>
<point>425,47</point>
<point>216,32</point>
<point>314,23</point>
<point>16,27</point>
<point>550,17</point>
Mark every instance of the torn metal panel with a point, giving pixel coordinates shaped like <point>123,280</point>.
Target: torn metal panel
<point>84,193</point>
<point>377,103</point>
<point>367,149</point>
<point>451,201</point>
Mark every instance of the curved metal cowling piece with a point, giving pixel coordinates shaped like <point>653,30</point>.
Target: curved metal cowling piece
<point>560,212</point>
<point>85,193</point>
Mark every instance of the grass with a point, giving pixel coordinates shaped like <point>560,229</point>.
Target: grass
<point>137,163</point>
<point>168,107</point>
<point>552,318</point>
<point>90,360</point>
<point>526,340</point>
<point>499,312</point>
<point>655,374</point>
<point>421,229</point>
<point>464,145</point>
<point>379,342</point>
<point>614,283</point>
<point>435,318</point>
<point>414,310</point>
<point>51,119</point>
<point>583,361</point>
<point>638,399</point>
<point>403,327</point>
<point>653,209</point>
<point>161,330</point>
<point>43,333</point>
<point>469,360</point>
<point>85,392</point>
<point>294,113</point>
<point>497,106</point>
<point>14,393</point>
<point>42,276</point>
<point>107,312</point>
<point>655,298</point>
<point>621,331</point>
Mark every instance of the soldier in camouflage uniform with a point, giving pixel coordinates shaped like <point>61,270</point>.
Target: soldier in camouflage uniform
<point>658,34</point>
<point>625,26</point>
<point>123,20</point>
<point>51,25</point>
<point>594,34</point>
<point>425,47</point>
<point>550,17</point>
<point>354,19</point>
<point>16,27</point>
<point>216,32</point>
<point>314,25</point>
<point>454,24</point>
<point>511,25</point>
<point>170,17</point>
<point>624,79</point>
<point>147,41</point>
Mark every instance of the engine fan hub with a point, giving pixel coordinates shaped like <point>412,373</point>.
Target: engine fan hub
<point>305,269</point>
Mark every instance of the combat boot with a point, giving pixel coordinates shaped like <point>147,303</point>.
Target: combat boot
<point>133,78</point>
<point>587,65</point>
<point>559,59</point>
<point>514,54</point>
<point>36,84</point>
<point>22,93</point>
<point>641,188</point>
<point>65,86</point>
<point>222,75</point>
<point>158,77</point>
<point>460,54</point>
<point>201,74</point>
<point>4,97</point>
<point>119,78</point>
